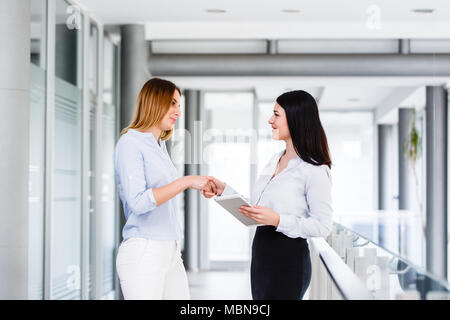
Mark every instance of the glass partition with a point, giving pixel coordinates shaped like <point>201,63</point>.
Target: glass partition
<point>66,216</point>
<point>386,275</point>
<point>36,200</point>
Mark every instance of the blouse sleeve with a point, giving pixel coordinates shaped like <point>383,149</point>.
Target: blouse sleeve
<point>130,169</point>
<point>318,199</point>
<point>228,190</point>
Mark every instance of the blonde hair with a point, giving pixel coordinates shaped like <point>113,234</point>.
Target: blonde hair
<point>152,104</point>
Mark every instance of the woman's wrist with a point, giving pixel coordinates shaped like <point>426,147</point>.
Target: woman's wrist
<point>277,220</point>
<point>187,182</point>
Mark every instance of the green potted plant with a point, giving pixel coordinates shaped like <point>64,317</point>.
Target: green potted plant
<point>412,150</point>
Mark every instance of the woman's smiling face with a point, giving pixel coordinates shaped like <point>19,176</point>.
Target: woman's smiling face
<point>278,121</point>
<point>172,114</point>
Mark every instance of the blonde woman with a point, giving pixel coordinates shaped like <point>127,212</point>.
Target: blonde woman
<point>148,262</point>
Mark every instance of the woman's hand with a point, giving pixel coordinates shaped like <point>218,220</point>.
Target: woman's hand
<point>202,183</point>
<point>213,188</point>
<point>262,215</point>
<point>210,190</point>
<point>220,186</point>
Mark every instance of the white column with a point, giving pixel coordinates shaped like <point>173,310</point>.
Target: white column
<point>14,146</point>
<point>192,167</point>
<point>436,201</point>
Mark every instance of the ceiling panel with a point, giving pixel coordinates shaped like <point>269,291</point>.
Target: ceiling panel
<point>135,11</point>
<point>354,97</point>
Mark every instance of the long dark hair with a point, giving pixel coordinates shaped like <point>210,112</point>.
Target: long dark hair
<point>308,136</point>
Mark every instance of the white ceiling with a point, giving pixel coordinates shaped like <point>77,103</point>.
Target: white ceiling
<point>360,97</point>
<point>265,19</point>
<point>141,11</point>
<point>317,19</point>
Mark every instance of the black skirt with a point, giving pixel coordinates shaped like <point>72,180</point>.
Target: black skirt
<point>280,266</point>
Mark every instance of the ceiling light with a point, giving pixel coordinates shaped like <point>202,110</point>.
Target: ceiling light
<point>216,11</point>
<point>422,10</point>
<point>353,99</point>
<point>290,10</point>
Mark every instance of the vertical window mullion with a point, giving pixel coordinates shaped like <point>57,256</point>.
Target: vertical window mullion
<point>85,164</point>
<point>49,144</point>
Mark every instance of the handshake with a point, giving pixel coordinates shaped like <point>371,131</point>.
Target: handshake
<point>208,185</point>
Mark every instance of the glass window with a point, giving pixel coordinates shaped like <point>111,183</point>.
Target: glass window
<point>226,153</point>
<point>351,142</point>
<point>66,215</point>
<point>37,152</point>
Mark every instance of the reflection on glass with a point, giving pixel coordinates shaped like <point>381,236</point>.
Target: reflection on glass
<point>66,216</point>
<point>227,156</point>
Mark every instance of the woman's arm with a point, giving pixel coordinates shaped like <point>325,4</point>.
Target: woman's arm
<point>167,192</point>
<point>317,224</point>
<point>318,197</point>
<point>129,165</point>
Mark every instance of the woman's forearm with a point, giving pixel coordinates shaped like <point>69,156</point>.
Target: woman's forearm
<point>167,192</point>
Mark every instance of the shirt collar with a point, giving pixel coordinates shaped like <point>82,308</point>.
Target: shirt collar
<point>149,136</point>
<point>294,160</point>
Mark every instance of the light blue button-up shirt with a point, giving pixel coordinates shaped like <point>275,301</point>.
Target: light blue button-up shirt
<point>142,164</point>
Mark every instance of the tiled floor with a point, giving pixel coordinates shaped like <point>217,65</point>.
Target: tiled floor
<point>219,285</point>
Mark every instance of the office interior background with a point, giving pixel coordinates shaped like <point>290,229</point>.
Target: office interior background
<point>70,75</point>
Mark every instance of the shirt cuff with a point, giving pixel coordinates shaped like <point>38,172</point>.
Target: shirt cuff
<point>228,190</point>
<point>285,223</point>
<point>151,197</point>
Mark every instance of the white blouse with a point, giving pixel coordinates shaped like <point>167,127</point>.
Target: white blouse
<point>300,194</point>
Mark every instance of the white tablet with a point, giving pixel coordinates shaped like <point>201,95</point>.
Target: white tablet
<point>232,203</point>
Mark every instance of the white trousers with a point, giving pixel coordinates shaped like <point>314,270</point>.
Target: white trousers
<point>151,270</point>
